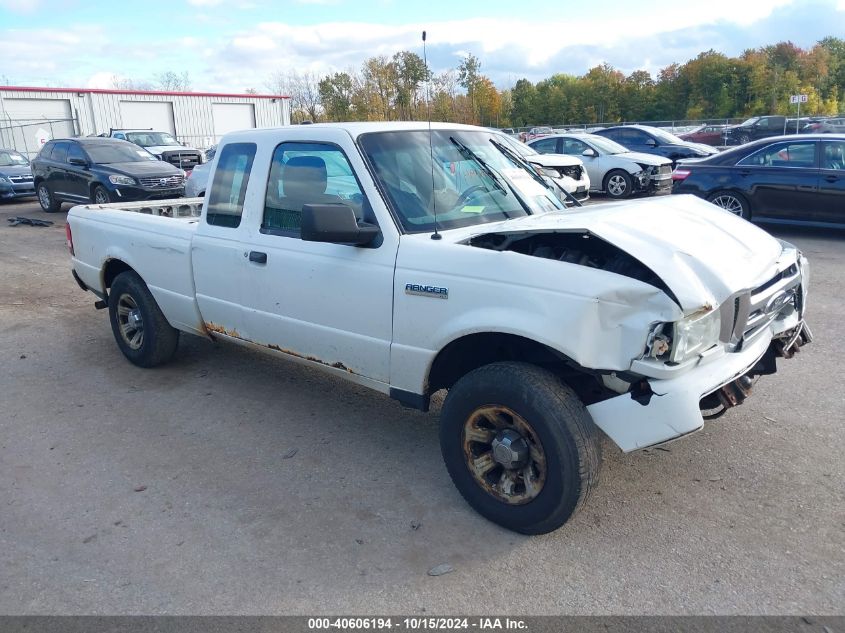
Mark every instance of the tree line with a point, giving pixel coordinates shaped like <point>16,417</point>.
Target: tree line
<point>710,86</point>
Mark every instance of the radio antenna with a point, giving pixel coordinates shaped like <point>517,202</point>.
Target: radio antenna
<point>435,235</point>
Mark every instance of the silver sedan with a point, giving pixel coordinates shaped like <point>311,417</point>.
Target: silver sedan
<point>612,168</point>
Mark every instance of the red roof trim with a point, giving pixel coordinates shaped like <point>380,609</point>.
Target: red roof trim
<point>160,93</point>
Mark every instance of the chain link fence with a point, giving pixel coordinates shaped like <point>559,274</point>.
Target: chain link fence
<point>28,136</point>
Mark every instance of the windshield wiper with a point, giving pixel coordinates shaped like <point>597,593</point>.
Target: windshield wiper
<point>519,160</point>
<point>466,152</point>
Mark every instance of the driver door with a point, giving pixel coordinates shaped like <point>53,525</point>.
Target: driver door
<point>329,303</point>
<point>574,147</point>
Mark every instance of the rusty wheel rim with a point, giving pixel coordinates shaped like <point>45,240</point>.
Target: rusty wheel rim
<point>130,322</point>
<point>504,455</point>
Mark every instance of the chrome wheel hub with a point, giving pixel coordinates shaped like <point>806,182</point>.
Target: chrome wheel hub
<point>510,449</point>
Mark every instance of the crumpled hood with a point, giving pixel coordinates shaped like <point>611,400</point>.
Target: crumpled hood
<point>703,253</point>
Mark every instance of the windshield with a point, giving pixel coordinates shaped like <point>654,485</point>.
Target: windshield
<point>151,139</point>
<point>7,159</point>
<point>605,145</point>
<point>117,152</point>
<point>474,182</point>
<point>750,121</point>
<point>665,136</point>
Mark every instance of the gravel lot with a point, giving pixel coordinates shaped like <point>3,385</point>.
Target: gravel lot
<point>177,490</point>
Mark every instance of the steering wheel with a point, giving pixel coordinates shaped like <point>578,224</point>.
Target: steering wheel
<point>462,199</point>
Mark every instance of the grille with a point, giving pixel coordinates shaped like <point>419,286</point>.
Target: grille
<point>168,182</point>
<point>782,293</point>
<point>573,172</point>
<point>185,160</point>
<point>20,179</point>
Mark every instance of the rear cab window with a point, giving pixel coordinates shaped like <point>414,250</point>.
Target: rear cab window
<point>228,188</point>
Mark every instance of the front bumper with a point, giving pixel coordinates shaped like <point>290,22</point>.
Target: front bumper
<point>673,408</point>
<point>16,190</point>
<point>132,194</point>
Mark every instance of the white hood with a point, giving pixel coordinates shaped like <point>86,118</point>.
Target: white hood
<point>703,253</point>
<point>645,159</point>
<point>554,160</point>
<point>159,149</point>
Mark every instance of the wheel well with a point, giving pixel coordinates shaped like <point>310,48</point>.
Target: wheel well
<point>470,352</point>
<point>112,269</point>
<point>93,186</point>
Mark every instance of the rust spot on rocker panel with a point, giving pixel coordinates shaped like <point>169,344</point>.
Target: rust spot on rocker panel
<point>219,329</point>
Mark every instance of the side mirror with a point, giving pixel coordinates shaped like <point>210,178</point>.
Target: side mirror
<point>651,142</point>
<point>589,152</point>
<point>80,162</point>
<point>335,223</point>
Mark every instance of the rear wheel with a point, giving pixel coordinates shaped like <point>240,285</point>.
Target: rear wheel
<point>731,201</point>
<point>519,446</point>
<point>618,184</point>
<point>138,324</point>
<point>46,199</point>
<point>100,195</point>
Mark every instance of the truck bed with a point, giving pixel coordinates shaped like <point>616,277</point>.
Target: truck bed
<point>152,237</point>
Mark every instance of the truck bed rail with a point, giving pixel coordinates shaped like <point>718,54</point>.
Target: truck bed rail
<point>175,208</point>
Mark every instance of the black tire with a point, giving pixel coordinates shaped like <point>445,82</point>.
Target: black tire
<point>562,430</point>
<point>731,201</point>
<point>743,139</point>
<point>618,184</point>
<point>46,198</point>
<point>158,339</point>
<point>100,195</point>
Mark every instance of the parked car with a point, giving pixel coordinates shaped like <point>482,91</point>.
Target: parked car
<point>833,125</point>
<point>653,140</point>
<point>786,179</point>
<point>163,146</point>
<point>535,132</point>
<point>101,170</point>
<point>612,168</point>
<point>567,172</point>
<point>197,181</point>
<point>708,134</point>
<point>635,318</point>
<point>15,175</point>
<point>755,128</point>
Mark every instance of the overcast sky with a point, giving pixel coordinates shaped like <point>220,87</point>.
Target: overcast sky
<point>232,45</point>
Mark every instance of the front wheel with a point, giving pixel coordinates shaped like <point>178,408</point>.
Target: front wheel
<point>618,184</point>
<point>731,201</point>
<point>138,324</point>
<point>519,446</point>
<point>100,195</point>
<point>46,199</point>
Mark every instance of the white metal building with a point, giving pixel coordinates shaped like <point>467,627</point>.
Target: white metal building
<point>31,116</point>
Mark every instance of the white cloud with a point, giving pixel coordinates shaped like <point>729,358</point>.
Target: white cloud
<point>205,3</point>
<point>103,79</point>
<point>20,6</point>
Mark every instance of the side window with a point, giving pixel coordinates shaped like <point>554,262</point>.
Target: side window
<point>635,137</point>
<point>573,147</point>
<point>59,152</point>
<point>613,135</point>
<point>226,199</point>
<point>74,151</point>
<point>308,173</point>
<point>546,146</point>
<point>785,154</point>
<point>47,150</point>
<point>120,135</point>
<point>833,155</point>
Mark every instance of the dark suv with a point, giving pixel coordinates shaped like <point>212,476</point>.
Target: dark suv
<point>653,140</point>
<point>101,170</point>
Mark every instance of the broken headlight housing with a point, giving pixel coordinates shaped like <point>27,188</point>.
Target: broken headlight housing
<point>684,339</point>
<point>695,334</point>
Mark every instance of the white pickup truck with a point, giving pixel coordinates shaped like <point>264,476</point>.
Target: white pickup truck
<point>412,260</point>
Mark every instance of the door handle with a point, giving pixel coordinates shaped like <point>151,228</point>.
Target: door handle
<point>831,178</point>
<point>257,257</point>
